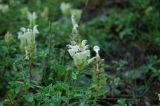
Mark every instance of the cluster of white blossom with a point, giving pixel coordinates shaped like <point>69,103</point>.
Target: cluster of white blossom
<point>32,18</point>
<point>67,10</point>
<point>4,8</point>
<point>27,40</point>
<point>79,51</point>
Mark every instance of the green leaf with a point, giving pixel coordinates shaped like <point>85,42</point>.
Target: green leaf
<point>29,97</point>
<point>74,75</point>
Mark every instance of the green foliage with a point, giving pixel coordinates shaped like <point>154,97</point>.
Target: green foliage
<point>54,77</point>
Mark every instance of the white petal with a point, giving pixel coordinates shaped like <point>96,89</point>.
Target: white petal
<point>86,53</point>
<point>76,48</point>
<point>73,43</point>
<point>35,30</point>
<point>71,52</point>
<point>34,15</point>
<point>96,49</point>
<point>19,35</point>
<point>84,42</point>
<point>23,29</point>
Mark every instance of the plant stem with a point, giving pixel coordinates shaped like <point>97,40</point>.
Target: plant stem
<point>95,99</point>
<point>76,81</point>
<point>30,70</point>
<point>97,85</point>
<point>67,75</point>
<point>10,100</point>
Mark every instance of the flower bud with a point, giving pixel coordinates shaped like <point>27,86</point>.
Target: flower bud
<point>8,38</point>
<point>96,49</point>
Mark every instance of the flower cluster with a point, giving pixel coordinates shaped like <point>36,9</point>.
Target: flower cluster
<point>65,8</point>
<point>4,8</point>
<point>78,50</point>
<point>80,53</point>
<point>27,40</point>
<point>32,18</point>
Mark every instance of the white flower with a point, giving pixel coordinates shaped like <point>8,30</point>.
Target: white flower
<point>96,49</point>
<point>79,53</point>
<point>97,57</point>
<point>4,8</point>
<point>73,49</point>
<point>28,34</point>
<point>84,42</point>
<point>27,40</point>
<point>32,18</point>
<point>65,8</point>
<point>35,30</point>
